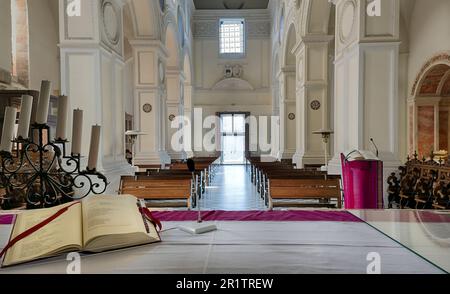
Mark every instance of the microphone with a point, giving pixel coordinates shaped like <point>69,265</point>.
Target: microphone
<point>191,167</point>
<point>199,227</point>
<point>374,145</point>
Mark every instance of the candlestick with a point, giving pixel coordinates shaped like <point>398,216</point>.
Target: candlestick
<point>44,102</point>
<point>94,148</point>
<point>62,118</point>
<point>23,131</point>
<point>77,131</point>
<point>8,129</point>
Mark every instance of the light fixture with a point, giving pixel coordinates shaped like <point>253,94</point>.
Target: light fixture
<point>233,4</point>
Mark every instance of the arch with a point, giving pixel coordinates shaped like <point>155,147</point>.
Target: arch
<point>275,66</point>
<point>440,60</point>
<point>172,46</point>
<point>290,42</point>
<point>315,17</point>
<point>429,110</point>
<point>281,22</point>
<point>146,17</point>
<point>187,68</point>
<point>180,23</point>
<point>128,32</point>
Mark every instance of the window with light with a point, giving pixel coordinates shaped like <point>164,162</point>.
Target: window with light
<point>232,39</point>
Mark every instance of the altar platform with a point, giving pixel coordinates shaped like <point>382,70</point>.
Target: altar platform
<point>276,242</point>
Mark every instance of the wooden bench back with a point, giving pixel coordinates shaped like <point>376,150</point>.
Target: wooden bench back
<point>305,188</point>
<point>156,187</point>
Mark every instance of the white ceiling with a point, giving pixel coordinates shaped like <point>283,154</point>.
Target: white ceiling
<point>232,4</point>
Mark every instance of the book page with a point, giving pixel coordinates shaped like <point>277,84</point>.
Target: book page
<point>64,232</point>
<point>360,155</point>
<point>110,215</point>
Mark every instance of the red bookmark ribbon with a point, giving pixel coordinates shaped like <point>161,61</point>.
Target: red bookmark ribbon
<point>156,222</point>
<point>35,228</point>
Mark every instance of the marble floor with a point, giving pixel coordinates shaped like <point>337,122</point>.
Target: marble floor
<point>231,189</point>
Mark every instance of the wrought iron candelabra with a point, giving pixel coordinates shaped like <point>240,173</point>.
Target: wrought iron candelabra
<point>43,175</point>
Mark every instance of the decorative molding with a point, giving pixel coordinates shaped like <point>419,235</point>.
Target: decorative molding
<point>315,105</point>
<point>233,71</point>
<point>67,37</point>
<point>206,29</point>
<point>257,22</point>
<point>291,116</point>
<point>233,84</point>
<point>147,108</point>
<point>210,29</point>
<point>346,31</point>
<point>111,25</point>
<point>258,29</point>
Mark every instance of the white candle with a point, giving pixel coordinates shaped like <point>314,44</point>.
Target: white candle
<point>25,117</point>
<point>62,118</point>
<point>77,131</point>
<point>94,148</point>
<point>44,102</point>
<point>8,129</point>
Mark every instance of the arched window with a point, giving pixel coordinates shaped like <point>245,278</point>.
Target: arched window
<point>20,42</point>
<point>162,5</point>
<point>181,27</point>
<point>281,26</point>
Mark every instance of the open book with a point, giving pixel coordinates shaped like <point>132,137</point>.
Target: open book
<point>95,224</point>
<point>360,155</point>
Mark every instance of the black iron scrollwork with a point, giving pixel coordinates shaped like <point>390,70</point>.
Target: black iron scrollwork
<point>43,175</point>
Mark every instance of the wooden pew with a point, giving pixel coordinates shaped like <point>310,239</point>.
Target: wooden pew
<point>158,187</point>
<point>197,178</point>
<point>304,189</point>
<point>205,165</point>
<point>302,183</point>
<point>178,170</point>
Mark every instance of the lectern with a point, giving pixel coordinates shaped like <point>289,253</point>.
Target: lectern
<point>362,179</point>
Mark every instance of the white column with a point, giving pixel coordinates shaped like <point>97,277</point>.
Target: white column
<point>287,107</point>
<point>188,112</point>
<point>366,81</point>
<point>92,77</point>
<point>174,108</point>
<point>312,86</point>
<point>149,84</point>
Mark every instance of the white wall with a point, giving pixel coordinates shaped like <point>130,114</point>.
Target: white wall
<point>44,37</point>
<point>128,84</point>
<point>5,35</point>
<point>429,34</point>
<point>209,65</point>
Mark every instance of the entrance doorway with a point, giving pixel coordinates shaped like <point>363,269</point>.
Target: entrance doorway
<point>233,137</point>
